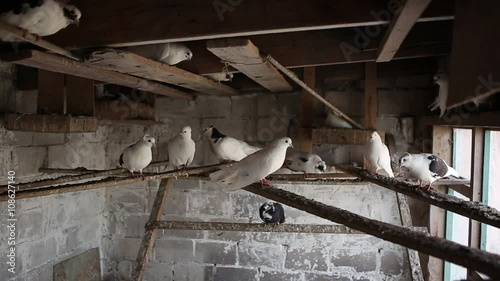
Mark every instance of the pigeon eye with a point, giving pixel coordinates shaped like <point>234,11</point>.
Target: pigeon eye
<point>149,140</point>
<point>286,141</point>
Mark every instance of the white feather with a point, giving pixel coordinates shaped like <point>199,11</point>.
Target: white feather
<point>228,148</point>
<point>138,156</point>
<point>305,162</point>
<point>181,150</point>
<point>377,154</point>
<point>440,102</point>
<point>335,121</point>
<point>169,53</point>
<point>417,166</point>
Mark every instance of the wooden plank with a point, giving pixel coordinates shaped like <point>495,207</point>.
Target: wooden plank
<point>55,63</point>
<point>466,119</point>
<point>413,258</point>
<point>462,189</point>
<point>51,123</point>
<point>123,110</point>
<point>401,24</point>
<point>79,96</point>
<point>481,261</point>
<point>473,74</point>
<point>50,92</point>
<point>370,97</point>
<point>306,112</point>
<point>192,20</point>
<point>476,186</point>
<point>342,136</point>
<point>149,237</point>
<point>243,55</point>
<point>132,64</point>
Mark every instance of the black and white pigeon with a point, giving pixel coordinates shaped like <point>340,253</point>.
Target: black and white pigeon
<point>426,167</point>
<point>272,213</point>
<point>38,17</point>
<point>308,163</point>
<point>377,154</point>
<point>138,156</point>
<point>335,121</point>
<point>169,53</point>
<point>441,78</point>
<point>227,148</point>
<point>181,150</point>
<point>253,168</point>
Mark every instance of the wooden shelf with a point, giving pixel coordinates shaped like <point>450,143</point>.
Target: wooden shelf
<point>342,136</point>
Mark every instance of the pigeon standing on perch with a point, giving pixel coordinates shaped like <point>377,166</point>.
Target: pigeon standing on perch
<point>169,53</point>
<point>335,121</point>
<point>181,150</point>
<point>441,78</point>
<point>138,156</point>
<point>377,154</point>
<point>227,148</point>
<point>253,168</point>
<point>272,213</point>
<point>38,17</point>
<point>307,163</point>
<point>426,167</point>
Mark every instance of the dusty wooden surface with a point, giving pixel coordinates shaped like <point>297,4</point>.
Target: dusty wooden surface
<point>342,136</point>
<point>50,123</point>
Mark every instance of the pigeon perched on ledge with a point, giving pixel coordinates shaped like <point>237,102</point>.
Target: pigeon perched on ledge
<point>377,153</point>
<point>169,53</point>
<point>335,121</point>
<point>307,163</point>
<point>272,213</point>
<point>227,148</point>
<point>138,156</point>
<point>38,17</point>
<point>181,150</point>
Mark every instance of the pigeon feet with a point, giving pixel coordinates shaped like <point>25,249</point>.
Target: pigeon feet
<point>265,182</point>
<point>425,187</point>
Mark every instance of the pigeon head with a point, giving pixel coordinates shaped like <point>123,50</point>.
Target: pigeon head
<point>375,136</point>
<point>186,131</point>
<point>212,132</point>
<point>149,140</point>
<point>267,206</point>
<point>440,77</point>
<point>321,166</point>
<point>73,14</point>
<point>404,161</point>
<point>207,132</point>
<point>188,55</point>
<point>283,141</point>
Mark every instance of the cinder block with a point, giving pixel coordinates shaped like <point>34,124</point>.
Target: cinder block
<point>191,272</point>
<point>26,101</point>
<point>246,206</point>
<point>280,276</point>
<point>324,277</point>
<point>134,225</point>
<point>48,139</point>
<point>176,203</point>
<point>157,271</point>
<point>41,252</point>
<point>128,198</point>
<point>231,273</point>
<point>124,270</point>
<point>363,262</point>
<point>180,234</point>
<point>215,253</point>
<point>178,251</point>
<point>307,258</point>
<point>289,104</point>
<point>263,255</point>
<point>126,248</point>
<point>391,263</point>
<point>265,105</point>
<point>244,106</point>
<point>30,224</point>
<point>347,101</point>
<point>201,202</point>
<point>28,160</point>
<point>271,128</point>
<point>74,155</point>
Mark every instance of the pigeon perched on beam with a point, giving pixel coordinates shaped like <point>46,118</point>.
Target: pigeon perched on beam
<point>227,148</point>
<point>38,17</point>
<point>272,213</point>
<point>307,163</point>
<point>377,154</point>
<point>138,156</point>
<point>169,53</point>
<point>427,168</point>
<point>441,78</point>
<point>335,121</point>
<point>181,150</point>
<point>253,168</point>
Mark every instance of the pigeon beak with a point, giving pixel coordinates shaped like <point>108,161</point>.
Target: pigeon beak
<point>76,22</point>
<point>291,145</point>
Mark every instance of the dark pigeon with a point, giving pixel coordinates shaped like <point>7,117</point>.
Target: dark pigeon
<point>272,213</point>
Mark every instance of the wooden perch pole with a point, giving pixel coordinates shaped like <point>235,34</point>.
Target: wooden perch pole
<point>36,41</point>
<point>294,77</point>
<point>474,210</point>
<point>252,227</point>
<point>476,259</point>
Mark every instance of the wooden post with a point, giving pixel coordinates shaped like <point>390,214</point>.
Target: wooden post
<point>370,100</point>
<point>477,186</point>
<point>306,113</point>
<point>150,234</point>
<point>50,92</point>
<point>79,96</point>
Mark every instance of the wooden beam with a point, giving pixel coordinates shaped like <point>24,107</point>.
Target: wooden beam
<point>342,136</point>
<point>465,119</point>
<point>132,64</point>
<point>243,55</point>
<point>252,227</point>
<point>476,186</point>
<point>370,97</point>
<point>50,123</point>
<point>399,28</point>
<point>475,210</point>
<point>55,63</point>
<point>149,237</point>
<point>462,189</point>
<point>192,20</point>
<point>79,96</point>
<point>468,257</point>
<point>307,111</point>
<point>50,98</point>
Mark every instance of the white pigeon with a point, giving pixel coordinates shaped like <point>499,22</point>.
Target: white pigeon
<point>426,167</point>
<point>38,17</point>
<point>441,78</point>
<point>169,53</point>
<point>335,121</point>
<point>138,156</point>
<point>377,154</point>
<point>254,168</point>
<point>227,148</point>
<point>219,77</point>
<point>307,163</point>
<point>181,150</point>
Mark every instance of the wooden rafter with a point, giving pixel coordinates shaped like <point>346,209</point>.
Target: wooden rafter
<point>55,63</point>
<point>243,55</point>
<point>399,28</point>
<point>132,64</point>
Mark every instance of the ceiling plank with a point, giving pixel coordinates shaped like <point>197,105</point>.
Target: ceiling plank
<point>55,63</point>
<point>243,55</point>
<point>132,64</point>
<point>152,21</point>
<point>399,28</point>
